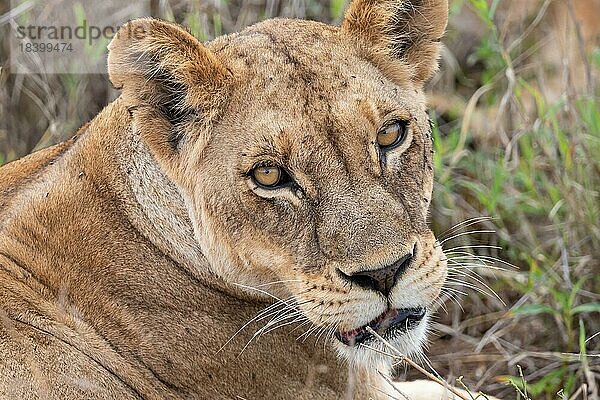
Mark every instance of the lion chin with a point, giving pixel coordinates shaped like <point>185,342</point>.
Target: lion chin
<point>389,344</point>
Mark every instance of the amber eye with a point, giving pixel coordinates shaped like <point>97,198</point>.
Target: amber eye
<point>267,176</point>
<point>392,135</point>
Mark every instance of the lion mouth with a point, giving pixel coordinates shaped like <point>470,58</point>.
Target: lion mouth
<point>388,324</point>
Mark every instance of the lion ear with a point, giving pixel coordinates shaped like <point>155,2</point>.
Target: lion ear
<point>167,77</point>
<point>408,31</point>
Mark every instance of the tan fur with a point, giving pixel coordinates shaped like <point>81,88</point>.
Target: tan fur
<point>132,254</point>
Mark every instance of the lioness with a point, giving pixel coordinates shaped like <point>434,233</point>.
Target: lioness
<point>270,185</point>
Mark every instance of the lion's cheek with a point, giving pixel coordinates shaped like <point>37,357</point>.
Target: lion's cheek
<point>238,253</point>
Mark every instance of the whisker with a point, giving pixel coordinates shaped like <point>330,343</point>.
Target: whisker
<point>330,334</point>
<point>465,224</point>
<point>465,234</point>
<point>256,335</point>
<point>468,286</point>
<point>266,313</point>
<point>307,333</point>
<point>272,308</point>
<point>281,317</point>
<point>316,328</point>
<point>298,317</point>
<point>308,321</point>
<point>471,274</point>
<point>453,290</point>
<point>453,294</point>
<point>260,291</point>
<point>323,329</point>
<point>463,255</point>
<point>439,303</point>
<point>476,246</point>
<point>490,292</point>
<point>425,360</point>
<point>276,282</point>
<point>484,257</point>
<point>242,328</point>
<point>472,267</point>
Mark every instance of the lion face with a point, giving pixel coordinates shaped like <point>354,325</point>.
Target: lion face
<point>305,156</point>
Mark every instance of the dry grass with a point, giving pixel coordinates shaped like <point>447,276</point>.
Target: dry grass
<point>517,139</point>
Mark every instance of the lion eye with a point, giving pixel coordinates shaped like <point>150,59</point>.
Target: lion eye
<point>392,135</point>
<point>268,177</point>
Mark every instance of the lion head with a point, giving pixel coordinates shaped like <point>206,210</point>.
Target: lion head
<point>304,154</point>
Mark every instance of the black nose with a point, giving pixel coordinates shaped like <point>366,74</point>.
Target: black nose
<point>383,279</point>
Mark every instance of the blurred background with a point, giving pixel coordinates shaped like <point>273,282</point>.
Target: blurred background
<point>517,194</point>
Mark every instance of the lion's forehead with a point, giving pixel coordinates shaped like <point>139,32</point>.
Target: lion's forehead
<point>296,58</point>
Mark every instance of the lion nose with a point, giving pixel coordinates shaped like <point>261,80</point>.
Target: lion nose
<point>383,279</point>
